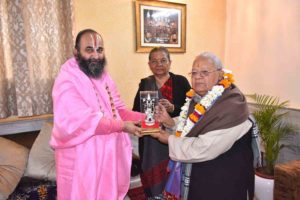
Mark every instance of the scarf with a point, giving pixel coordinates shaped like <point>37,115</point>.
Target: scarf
<point>215,111</point>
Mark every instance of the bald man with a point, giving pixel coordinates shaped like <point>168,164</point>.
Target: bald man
<point>92,148</point>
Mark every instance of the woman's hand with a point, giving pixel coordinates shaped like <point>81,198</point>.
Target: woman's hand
<point>162,116</point>
<point>162,136</point>
<point>167,104</point>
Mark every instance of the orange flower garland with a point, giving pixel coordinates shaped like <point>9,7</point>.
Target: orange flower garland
<point>187,123</point>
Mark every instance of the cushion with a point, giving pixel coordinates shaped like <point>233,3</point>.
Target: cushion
<point>13,158</point>
<point>41,161</point>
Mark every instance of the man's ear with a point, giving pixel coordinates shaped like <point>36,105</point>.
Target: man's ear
<point>221,73</point>
<point>75,52</point>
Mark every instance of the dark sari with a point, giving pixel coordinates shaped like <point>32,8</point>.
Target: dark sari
<point>154,155</point>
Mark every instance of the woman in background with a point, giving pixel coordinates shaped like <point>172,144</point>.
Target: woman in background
<point>171,88</point>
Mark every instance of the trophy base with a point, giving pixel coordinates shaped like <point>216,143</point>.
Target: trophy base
<point>147,130</point>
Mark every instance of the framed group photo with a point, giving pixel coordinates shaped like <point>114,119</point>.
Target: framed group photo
<point>160,24</point>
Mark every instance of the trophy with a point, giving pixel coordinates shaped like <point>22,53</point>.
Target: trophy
<point>148,100</point>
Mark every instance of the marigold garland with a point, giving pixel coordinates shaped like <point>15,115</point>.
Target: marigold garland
<point>190,93</point>
<point>200,108</point>
<point>186,123</point>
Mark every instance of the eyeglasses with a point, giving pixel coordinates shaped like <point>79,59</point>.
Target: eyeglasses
<point>156,62</point>
<point>203,73</point>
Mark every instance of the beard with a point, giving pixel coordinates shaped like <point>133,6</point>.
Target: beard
<point>91,67</point>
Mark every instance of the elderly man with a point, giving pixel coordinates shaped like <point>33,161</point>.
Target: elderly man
<point>212,146</point>
<point>92,148</point>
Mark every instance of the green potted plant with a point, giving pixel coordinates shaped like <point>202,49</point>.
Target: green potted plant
<point>269,115</point>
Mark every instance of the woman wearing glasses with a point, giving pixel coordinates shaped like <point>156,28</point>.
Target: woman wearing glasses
<point>171,88</point>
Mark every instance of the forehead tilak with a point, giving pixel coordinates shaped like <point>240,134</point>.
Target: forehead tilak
<point>94,40</point>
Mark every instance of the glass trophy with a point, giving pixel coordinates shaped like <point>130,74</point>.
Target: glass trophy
<point>148,101</point>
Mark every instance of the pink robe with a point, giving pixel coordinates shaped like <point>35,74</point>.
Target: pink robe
<point>93,155</point>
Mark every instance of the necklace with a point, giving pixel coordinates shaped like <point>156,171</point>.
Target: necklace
<point>186,123</point>
<point>112,104</point>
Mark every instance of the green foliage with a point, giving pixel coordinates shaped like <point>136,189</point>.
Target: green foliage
<point>269,116</point>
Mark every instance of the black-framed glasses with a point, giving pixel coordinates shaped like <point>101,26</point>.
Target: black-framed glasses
<point>202,73</point>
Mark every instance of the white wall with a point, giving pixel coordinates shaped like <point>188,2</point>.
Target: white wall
<point>115,20</point>
<point>263,47</point>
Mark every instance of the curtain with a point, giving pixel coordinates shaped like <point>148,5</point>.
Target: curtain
<point>35,40</point>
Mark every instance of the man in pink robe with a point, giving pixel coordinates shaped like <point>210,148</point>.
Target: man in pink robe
<point>92,148</point>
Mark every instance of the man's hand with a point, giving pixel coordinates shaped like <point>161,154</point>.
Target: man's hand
<point>162,136</point>
<point>162,116</point>
<point>132,127</point>
<point>167,104</point>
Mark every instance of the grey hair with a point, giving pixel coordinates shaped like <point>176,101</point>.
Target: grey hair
<point>216,61</point>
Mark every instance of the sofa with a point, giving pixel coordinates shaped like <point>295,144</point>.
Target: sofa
<point>29,173</point>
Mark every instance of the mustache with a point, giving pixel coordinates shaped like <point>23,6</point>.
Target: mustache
<point>92,67</point>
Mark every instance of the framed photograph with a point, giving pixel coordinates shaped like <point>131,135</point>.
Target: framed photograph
<point>160,24</point>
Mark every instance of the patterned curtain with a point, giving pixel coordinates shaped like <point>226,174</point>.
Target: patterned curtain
<point>35,39</point>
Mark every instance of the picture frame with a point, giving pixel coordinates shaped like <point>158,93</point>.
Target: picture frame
<point>160,23</point>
